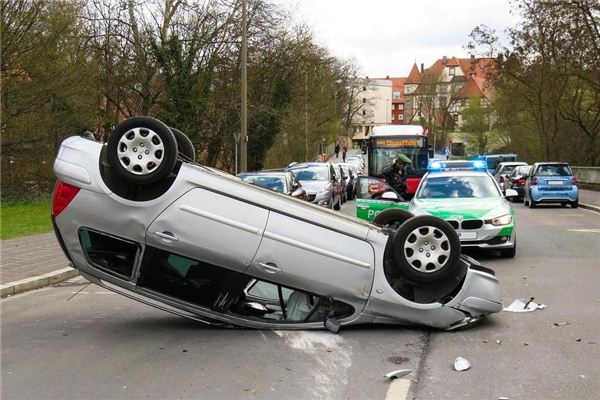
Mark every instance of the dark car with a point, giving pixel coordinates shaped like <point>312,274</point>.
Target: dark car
<point>278,181</point>
<point>551,182</point>
<point>516,181</point>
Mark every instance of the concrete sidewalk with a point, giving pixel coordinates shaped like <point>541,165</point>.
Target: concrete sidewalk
<point>32,262</point>
<point>589,199</point>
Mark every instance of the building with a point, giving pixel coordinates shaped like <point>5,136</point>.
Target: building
<point>372,106</point>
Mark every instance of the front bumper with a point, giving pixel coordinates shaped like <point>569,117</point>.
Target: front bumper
<point>550,196</point>
<point>321,198</point>
<point>488,237</point>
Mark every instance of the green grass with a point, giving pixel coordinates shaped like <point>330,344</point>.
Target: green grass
<point>24,218</point>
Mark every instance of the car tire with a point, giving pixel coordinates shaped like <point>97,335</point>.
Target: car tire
<point>439,260</point>
<point>184,145</point>
<point>525,202</point>
<point>575,204</point>
<point>531,202</point>
<point>154,163</point>
<point>338,205</point>
<point>509,253</point>
<point>393,217</point>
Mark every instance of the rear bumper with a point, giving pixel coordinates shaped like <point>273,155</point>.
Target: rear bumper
<point>551,196</point>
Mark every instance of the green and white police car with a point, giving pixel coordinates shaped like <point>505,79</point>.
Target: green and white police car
<point>461,192</point>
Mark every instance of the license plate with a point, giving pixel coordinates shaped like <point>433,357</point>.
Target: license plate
<point>467,235</point>
<point>556,182</point>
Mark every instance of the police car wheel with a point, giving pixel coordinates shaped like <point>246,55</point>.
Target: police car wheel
<point>392,218</point>
<point>426,249</point>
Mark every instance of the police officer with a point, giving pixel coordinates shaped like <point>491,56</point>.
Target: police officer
<point>395,174</point>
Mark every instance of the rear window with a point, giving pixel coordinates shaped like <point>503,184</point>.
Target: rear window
<point>554,170</point>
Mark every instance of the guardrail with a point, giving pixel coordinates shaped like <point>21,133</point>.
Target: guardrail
<point>587,174</point>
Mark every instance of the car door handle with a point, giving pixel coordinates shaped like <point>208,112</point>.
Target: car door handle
<point>166,235</point>
<point>269,268</point>
<point>362,206</point>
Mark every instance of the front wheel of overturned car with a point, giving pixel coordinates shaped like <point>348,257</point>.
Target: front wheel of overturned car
<point>184,145</point>
<point>426,249</point>
<point>142,150</point>
<point>392,218</point>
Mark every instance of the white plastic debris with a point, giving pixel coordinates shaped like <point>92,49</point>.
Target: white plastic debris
<point>519,305</point>
<point>461,364</point>
<point>398,373</point>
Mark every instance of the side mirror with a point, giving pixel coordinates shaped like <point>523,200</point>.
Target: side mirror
<point>298,193</point>
<point>510,193</point>
<point>390,196</point>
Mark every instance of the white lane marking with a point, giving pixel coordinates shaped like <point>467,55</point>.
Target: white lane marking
<point>398,389</point>
<point>585,230</point>
<point>333,359</point>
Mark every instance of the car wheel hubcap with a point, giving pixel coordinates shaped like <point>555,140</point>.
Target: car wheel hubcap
<point>141,151</point>
<point>427,249</point>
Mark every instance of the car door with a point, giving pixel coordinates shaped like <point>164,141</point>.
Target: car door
<point>308,256</point>
<point>369,200</point>
<point>210,227</point>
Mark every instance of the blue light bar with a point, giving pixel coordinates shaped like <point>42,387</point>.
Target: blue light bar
<point>456,165</point>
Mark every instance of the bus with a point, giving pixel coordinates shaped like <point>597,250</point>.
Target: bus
<point>492,160</point>
<point>387,142</point>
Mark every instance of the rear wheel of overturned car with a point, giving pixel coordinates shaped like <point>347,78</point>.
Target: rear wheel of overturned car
<point>142,150</point>
<point>426,249</point>
<point>184,145</point>
<point>392,218</point>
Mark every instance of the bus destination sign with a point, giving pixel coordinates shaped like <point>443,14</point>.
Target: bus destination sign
<point>398,142</point>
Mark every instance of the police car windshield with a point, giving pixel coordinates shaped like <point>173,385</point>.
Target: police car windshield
<point>448,187</point>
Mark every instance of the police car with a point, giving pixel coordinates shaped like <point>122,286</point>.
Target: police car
<point>461,192</point>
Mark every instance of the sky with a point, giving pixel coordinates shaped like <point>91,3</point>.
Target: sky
<point>386,37</point>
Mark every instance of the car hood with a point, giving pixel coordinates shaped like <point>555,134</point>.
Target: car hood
<point>314,186</point>
<point>488,207</point>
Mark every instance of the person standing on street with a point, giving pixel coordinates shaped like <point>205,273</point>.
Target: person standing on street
<point>344,150</point>
<point>395,174</point>
<point>337,150</point>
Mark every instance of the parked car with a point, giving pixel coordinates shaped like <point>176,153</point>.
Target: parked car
<point>357,161</point>
<point>505,168</point>
<point>344,180</point>
<point>516,181</point>
<point>551,182</point>
<point>203,244</point>
<point>349,171</point>
<point>282,182</point>
<point>461,192</point>
<point>320,182</point>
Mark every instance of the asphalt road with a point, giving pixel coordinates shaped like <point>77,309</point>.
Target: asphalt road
<point>101,345</point>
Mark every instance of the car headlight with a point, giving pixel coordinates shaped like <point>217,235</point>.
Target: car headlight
<point>502,220</point>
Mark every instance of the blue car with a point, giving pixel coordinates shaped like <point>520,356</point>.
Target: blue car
<point>551,182</point>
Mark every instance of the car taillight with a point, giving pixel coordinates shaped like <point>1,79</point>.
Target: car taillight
<point>521,182</point>
<point>501,179</point>
<point>63,195</point>
<point>573,181</point>
<point>534,180</point>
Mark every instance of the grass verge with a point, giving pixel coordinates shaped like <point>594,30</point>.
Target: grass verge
<point>24,218</point>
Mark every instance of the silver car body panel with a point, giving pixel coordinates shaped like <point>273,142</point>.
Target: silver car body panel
<point>216,218</point>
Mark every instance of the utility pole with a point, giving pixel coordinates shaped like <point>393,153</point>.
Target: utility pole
<point>306,116</point>
<point>244,111</point>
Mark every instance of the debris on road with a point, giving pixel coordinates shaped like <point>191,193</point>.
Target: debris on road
<point>461,364</point>
<point>561,323</point>
<point>398,373</point>
<point>498,341</point>
<point>519,305</point>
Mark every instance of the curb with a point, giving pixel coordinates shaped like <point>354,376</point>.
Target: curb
<point>590,207</point>
<point>37,282</point>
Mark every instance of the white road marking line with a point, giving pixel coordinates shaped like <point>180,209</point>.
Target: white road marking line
<point>398,389</point>
<point>585,230</point>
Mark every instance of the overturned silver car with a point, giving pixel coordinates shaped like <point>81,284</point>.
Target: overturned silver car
<point>137,216</point>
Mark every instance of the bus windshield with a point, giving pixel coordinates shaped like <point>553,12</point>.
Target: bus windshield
<point>380,157</point>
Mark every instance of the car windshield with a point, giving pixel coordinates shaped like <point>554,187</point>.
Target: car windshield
<point>554,170</point>
<point>507,169</point>
<point>383,157</point>
<point>457,187</point>
<point>522,170</point>
<point>312,173</point>
<point>276,183</point>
